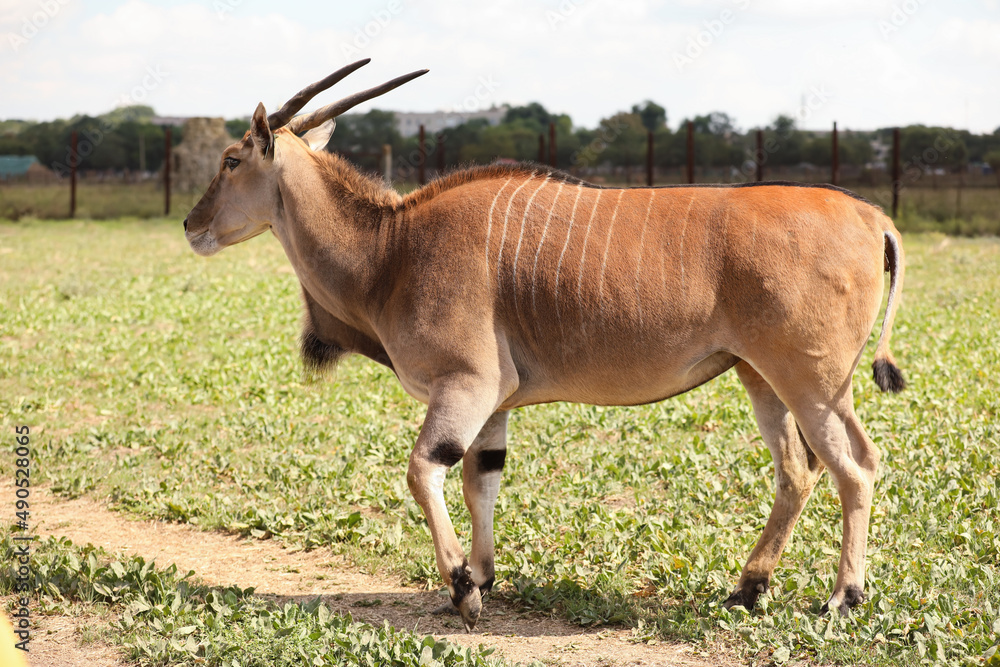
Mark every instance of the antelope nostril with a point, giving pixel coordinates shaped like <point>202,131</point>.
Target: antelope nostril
<point>185,224</point>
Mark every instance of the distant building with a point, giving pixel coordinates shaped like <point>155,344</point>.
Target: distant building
<point>24,167</point>
<point>174,121</point>
<point>408,122</point>
<point>15,166</point>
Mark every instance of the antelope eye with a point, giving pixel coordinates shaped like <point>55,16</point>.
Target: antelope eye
<point>231,162</point>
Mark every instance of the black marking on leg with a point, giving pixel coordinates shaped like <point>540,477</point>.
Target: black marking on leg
<point>887,376</point>
<point>491,460</point>
<point>746,595</point>
<point>461,582</point>
<point>446,453</point>
<point>487,567</point>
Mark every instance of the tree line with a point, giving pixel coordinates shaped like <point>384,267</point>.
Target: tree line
<point>123,139</point>
<point>126,139</point>
<point>620,140</point>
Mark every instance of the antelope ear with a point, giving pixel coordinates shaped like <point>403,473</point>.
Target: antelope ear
<point>319,136</point>
<point>260,132</point>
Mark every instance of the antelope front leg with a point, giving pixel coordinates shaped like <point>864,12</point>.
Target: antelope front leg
<point>457,412</point>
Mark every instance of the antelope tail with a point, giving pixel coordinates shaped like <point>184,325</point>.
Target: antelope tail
<point>888,377</point>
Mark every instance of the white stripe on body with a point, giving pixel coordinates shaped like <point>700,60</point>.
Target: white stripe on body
<point>503,236</point>
<point>520,237</point>
<point>683,232</point>
<point>569,231</point>
<point>538,252</point>
<point>489,224</point>
<point>524,219</point>
<point>607,247</point>
<point>583,259</point>
<point>638,265</point>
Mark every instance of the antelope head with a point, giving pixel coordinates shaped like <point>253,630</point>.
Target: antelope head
<point>243,199</point>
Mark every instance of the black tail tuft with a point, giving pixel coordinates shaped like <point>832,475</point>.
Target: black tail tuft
<point>887,376</point>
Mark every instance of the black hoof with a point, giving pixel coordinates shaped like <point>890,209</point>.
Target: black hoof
<point>470,609</point>
<point>853,596</point>
<point>465,595</point>
<point>746,595</point>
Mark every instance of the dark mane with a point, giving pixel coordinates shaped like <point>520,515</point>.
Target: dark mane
<point>363,189</point>
<point>461,176</point>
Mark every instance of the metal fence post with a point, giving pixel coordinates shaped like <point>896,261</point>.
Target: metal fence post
<point>760,155</point>
<point>896,184</point>
<point>835,168</point>
<point>649,158</point>
<point>74,160</point>
<point>552,145</point>
<point>168,139</point>
<point>690,153</point>
<point>422,157</point>
<point>387,162</point>
<point>440,153</point>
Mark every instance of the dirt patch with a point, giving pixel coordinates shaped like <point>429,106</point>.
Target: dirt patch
<point>65,641</point>
<point>283,574</point>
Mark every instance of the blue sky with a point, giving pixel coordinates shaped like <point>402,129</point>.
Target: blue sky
<point>864,63</point>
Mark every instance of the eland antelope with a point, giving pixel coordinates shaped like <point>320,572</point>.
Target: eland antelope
<point>503,286</point>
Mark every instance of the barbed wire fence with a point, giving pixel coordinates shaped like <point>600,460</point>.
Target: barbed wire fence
<point>117,195</point>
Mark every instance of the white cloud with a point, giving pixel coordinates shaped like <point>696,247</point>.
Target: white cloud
<point>594,58</point>
<point>835,10</point>
<point>979,40</point>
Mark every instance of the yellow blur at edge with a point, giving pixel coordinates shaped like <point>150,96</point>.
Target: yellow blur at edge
<point>9,656</point>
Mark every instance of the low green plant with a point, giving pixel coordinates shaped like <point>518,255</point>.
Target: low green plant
<point>164,619</point>
<point>170,385</point>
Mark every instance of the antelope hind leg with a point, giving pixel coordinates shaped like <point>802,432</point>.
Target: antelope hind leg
<point>853,462</point>
<point>838,440</point>
<point>796,471</point>
<point>455,416</point>
<point>481,471</point>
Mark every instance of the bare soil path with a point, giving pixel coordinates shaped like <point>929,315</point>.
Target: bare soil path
<point>284,574</point>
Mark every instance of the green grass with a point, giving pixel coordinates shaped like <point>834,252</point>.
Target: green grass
<point>94,200</point>
<point>163,619</point>
<point>171,385</point>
